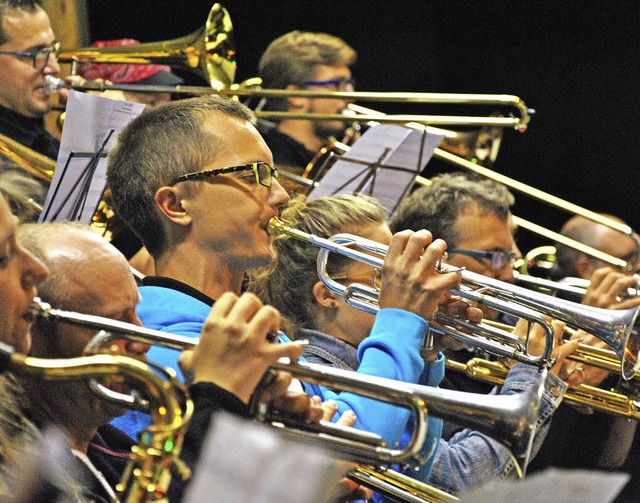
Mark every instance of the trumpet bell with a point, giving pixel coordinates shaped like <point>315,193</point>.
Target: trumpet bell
<point>209,51</point>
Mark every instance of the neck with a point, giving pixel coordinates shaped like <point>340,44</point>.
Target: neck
<point>302,131</point>
<point>206,273</point>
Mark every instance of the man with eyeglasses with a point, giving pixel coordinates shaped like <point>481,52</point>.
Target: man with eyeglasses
<point>473,216</point>
<point>311,61</point>
<point>28,50</point>
<point>194,180</point>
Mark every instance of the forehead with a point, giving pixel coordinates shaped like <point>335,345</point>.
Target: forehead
<point>240,142</point>
<point>27,29</point>
<point>325,72</point>
<point>484,230</point>
<point>7,220</point>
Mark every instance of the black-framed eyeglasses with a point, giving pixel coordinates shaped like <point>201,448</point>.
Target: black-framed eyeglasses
<point>264,173</point>
<point>40,58</point>
<point>498,258</point>
<point>341,84</point>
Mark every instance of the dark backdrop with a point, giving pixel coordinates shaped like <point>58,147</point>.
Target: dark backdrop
<point>574,62</point>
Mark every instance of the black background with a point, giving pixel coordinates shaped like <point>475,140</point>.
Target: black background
<point>574,62</point>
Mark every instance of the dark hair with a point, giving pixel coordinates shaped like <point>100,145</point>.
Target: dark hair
<point>157,146</point>
<point>435,207</point>
<point>288,283</point>
<point>292,58</point>
<point>23,5</point>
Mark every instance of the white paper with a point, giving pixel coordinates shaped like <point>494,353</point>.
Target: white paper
<point>552,486</point>
<point>383,163</point>
<point>244,460</point>
<point>91,126</point>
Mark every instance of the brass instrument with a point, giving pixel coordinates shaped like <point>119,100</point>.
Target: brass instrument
<point>153,461</point>
<point>510,419</point>
<point>209,51</point>
<point>401,394</point>
<point>448,154</point>
<point>599,399</point>
<point>29,160</point>
<point>620,329</point>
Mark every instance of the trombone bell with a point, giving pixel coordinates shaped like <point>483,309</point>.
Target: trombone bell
<point>209,51</point>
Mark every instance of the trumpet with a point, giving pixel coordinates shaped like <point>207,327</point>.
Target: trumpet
<point>575,287</point>
<point>619,329</point>
<point>152,462</point>
<point>599,399</point>
<point>509,419</point>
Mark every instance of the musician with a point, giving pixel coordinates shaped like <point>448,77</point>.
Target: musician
<point>611,439</point>
<point>89,275</point>
<point>149,75</point>
<point>28,52</point>
<point>608,285</point>
<point>305,60</point>
<point>473,215</point>
<point>193,179</point>
<point>336,331</point>
<point>20,272</point>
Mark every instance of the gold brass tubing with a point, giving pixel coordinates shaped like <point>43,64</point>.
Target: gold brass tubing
<point>397,485</point>
<point>583,394</point>
<point>31,161</point>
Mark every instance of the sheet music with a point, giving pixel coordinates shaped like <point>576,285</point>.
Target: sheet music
<point>90,130</point>
<point>243,460</point>
<point>383,163</point>
<point>552,486</point>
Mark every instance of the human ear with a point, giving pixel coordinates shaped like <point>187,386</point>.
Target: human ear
<point>324,296</point>
<point>297,102</point>
<point>169,203</point>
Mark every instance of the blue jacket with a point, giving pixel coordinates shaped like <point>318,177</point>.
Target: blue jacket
<point>469,459</point>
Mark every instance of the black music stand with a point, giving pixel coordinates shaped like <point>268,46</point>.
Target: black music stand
<point>79,181</point>
<point>383,164</point>
<point>77,193</point>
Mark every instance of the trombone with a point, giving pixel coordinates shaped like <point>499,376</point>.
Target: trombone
<point>596,398</point>
<point>442,153</point>
<point>210,52</point>
<point>510,419</point>
<point>619,329</point>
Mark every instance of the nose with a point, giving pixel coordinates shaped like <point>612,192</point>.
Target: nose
<point>32,271</point>
<point>506,273</point>
<point>278,196</point>
<point>52,67</point>
<point>131,348</point>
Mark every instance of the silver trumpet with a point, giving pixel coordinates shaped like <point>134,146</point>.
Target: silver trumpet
<point>620,329</point>
<point>509,419</point>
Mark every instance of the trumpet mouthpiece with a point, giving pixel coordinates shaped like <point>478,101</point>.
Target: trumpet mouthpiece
<point>52,84</point>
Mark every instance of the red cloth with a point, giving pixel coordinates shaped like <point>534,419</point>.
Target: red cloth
<point>118,73</point>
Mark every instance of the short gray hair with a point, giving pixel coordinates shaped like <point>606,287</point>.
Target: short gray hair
<point>435,207</point>
<point>156,147</point>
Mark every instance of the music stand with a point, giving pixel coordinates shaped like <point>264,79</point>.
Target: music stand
<point>79,180</point>
<point>383,164</point>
